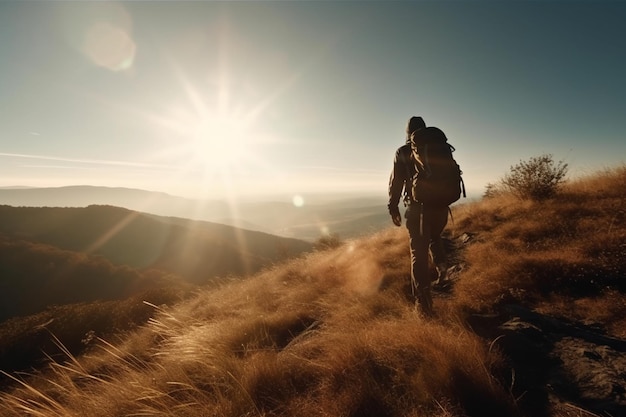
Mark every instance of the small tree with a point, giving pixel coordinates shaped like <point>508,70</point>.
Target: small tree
<point>538,178</point>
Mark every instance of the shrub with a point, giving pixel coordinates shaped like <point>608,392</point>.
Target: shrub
<point>492,190</point>
<point>536,179</point>
<point>327,242</point>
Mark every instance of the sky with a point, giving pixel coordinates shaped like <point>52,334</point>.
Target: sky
<point>256,99</point>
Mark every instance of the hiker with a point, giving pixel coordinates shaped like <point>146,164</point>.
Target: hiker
<point>426,215</point>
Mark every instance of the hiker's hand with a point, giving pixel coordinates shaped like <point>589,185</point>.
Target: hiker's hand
<point>396,218</point>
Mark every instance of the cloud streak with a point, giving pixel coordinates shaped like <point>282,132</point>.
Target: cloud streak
<point>87,161</point>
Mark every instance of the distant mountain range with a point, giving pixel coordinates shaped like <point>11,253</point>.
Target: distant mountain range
<point>347,216</point>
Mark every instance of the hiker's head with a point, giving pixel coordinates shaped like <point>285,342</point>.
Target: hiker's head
<point>414,124</point>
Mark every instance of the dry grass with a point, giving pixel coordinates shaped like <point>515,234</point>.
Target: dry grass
<point>332,334</point>
<point>569,250</point>
<point>329,334</point>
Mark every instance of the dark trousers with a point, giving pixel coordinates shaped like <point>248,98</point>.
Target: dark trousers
<point>425,225</point>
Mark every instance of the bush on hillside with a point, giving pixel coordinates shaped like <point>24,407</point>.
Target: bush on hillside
<point>327,242</point>
<point>493,190</point>
<point>536,179</point>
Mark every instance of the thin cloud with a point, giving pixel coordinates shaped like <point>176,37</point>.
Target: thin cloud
<point>344,169</point>
<point>51,167</point>
<point>87,161</point>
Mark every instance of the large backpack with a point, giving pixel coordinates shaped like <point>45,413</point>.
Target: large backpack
<point>438,180</point>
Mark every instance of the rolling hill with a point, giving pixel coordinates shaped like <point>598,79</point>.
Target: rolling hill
<point>197,251</point>
<point>89,270</point>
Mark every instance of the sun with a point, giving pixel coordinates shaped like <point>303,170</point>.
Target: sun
<point>215,138</point>
<point>219,142</point>
<point>212,144</point>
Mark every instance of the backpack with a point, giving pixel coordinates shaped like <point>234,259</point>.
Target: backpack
<point>438,180</point>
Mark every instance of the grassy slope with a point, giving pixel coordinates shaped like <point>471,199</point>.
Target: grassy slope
<point>331,334</point>
<point>29,342</point>
<point>564,257</point>
<point>47,291</point>
<point>45,281</point>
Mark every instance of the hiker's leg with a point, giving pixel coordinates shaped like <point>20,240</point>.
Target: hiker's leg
<point>437,218</point>
<point>418,242</point>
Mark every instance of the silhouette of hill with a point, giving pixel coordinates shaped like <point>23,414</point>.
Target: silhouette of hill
<point>197,251</point>
<point>533,324</point>
<point>85,195</point>
<point>348,216</point>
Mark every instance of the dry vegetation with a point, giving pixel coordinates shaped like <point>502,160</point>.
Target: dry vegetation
<point>565,256</point>
<point>332,333</point>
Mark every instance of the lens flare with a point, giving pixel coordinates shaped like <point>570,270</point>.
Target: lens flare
<point>298,201</point>
<point>110,46</point>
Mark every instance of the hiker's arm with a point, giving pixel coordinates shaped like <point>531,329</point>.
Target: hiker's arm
<point>396,185</point>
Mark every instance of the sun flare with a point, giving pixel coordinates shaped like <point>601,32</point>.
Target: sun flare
<point>215,138</point>
<point>219,143</point>
<point>213,144</point>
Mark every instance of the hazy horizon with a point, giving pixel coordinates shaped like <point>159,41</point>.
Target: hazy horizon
<point>315,197</point>
<point>231,100</point>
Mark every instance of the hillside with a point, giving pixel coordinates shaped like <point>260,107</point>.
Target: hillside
<point>28,342</point>
<point>35,276</point>
<point>534,325</point>
<point>75,294</point>
<point>197,251</point>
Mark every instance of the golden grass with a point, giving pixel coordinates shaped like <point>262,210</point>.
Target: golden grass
<point>568,250</point>
<point>332,333</point>
<point>328,334</point>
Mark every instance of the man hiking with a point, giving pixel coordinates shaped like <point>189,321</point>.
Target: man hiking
<point>416,171</point>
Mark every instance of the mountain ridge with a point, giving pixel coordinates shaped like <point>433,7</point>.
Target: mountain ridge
<point>197,250</point>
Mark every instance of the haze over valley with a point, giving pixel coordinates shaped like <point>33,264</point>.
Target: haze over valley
<point>306,217</point>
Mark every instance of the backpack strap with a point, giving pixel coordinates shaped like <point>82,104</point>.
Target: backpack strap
<point>409,198</point>
<point>426,161</point>
<point>408,193</point>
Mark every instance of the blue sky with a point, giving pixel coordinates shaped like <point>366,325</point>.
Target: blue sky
<point>206,99</point>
